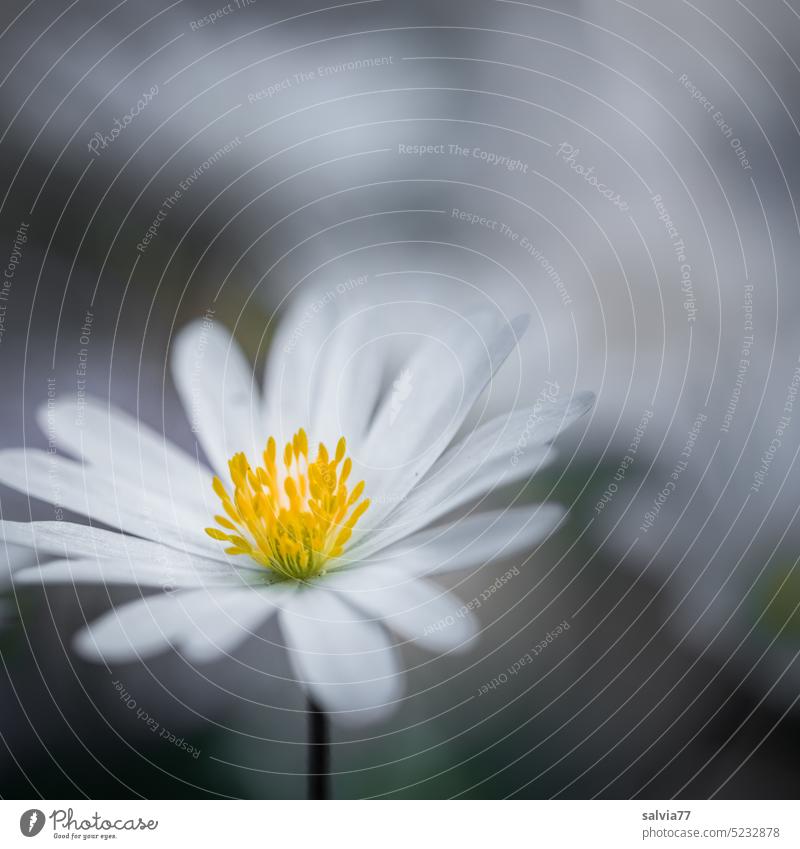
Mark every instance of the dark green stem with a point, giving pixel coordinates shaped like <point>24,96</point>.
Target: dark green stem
<point>319,753</point>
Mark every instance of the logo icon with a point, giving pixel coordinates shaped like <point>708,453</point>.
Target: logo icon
<point>31,822</point>
<point>401,389</point>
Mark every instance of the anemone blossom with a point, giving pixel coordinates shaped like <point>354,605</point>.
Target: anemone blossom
<point>327,506</point>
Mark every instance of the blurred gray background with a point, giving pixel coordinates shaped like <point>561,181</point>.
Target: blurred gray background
<point>630,179</point>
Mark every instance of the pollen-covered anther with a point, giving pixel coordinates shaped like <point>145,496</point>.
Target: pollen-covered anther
<point>292,515</point>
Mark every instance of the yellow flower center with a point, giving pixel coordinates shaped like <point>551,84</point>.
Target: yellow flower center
<point>292,517</point>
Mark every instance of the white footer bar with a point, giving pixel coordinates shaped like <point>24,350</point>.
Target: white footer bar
<point>402,824</point>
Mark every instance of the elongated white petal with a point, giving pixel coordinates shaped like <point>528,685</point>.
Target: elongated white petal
<point>474,540</point>
<point>500,452</point>
<point>336,351</point>
<point>218,392</point>
<point>13,559</point>
<point>443,379</point>
<point>416,609</point>
<point>325,367</point>
<point>202,624</point>
<point>145,573</point>
<point>294,360</point>
<point>344,661</point>
<point>431,500</point>
<point>351,365</point>
<point>84,489</point>
<point>75,542</point>
<point>125,450</point>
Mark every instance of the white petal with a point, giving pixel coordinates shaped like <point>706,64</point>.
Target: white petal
<point>203,625</point>
<point>145,573</point>
<point>475,540</point>
<point>325,367</point>
<point>442,380</point>
<point>416,609</point>
<point>498,453</point>
<point>289,378</point>
<point>13,558</point>
<point>88,490</point>
<point>351,366</point>
<point>75,542</point>
<point>345,662</point>
<point>376,330</point>
<point>127,449</point>
<point>215,382</point>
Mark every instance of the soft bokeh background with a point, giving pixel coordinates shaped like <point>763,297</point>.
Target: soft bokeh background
<point>679,674</point>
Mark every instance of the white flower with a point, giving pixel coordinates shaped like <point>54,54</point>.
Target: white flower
<point>341,565</point>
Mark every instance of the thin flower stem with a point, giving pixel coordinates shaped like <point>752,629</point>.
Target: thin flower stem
<point>319,753</point>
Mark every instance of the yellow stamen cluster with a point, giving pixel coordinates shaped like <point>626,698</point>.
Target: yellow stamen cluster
<point>292,517</point>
